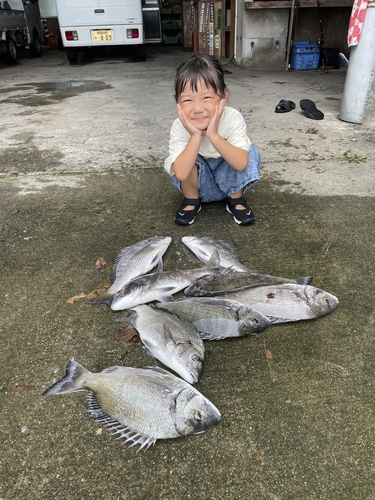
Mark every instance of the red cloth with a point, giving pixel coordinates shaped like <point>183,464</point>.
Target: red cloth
<point>356,21</point>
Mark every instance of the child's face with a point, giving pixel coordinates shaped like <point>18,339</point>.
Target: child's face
<point>199,106</point>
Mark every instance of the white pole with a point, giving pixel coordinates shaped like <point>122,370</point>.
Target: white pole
<point>361,72</point>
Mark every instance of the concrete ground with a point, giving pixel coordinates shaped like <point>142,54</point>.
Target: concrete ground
<point>81,166</point>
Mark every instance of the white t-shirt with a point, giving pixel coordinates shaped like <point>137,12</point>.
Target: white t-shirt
<point>232,127</point>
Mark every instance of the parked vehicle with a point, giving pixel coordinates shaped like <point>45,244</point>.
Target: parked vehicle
<point>104,23</point>
<point>20,27</point>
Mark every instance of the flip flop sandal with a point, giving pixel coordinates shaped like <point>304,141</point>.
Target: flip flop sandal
<point>284,106</point>
<point>310,110</point>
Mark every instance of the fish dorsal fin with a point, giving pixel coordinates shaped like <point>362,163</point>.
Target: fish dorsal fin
<point>111,369</point>
<point>123,431</point>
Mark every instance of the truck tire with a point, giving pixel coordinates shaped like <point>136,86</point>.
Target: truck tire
<point>72,56</point>
<point>35,45</point>
<point>10,56</point>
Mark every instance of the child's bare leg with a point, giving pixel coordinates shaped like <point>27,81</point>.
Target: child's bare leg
<point>189,187</point>
<point>239,194</point>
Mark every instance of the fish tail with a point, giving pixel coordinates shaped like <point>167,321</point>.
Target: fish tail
<point>70,383</point>
<point>103,298</point>
<point>305,280</point>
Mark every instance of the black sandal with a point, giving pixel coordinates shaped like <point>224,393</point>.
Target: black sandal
<point>241,217</point>
<point>285,106</point>
<point>310,109</point>
<point>187,217</point>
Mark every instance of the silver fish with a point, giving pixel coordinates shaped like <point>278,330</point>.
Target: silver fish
<point>171,340</point>
<point>140,405</point>
<point>134,261</point>
<point>157,286</point>
<point>203,247</point>
<point>231,281</point>
<point>289,302</point>
<point>217,318</point>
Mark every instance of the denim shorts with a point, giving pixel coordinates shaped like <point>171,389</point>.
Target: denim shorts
<point>217,179</point>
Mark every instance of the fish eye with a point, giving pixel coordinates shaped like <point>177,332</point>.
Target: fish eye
<point>198,416</point>
<point>327,301</point>
<point>256,321</point>
<point>195,358</point>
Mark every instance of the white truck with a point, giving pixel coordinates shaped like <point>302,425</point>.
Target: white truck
<point>100,23</point>
<point>20,27</point>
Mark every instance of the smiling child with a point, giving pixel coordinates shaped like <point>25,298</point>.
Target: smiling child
<point>211,158</point>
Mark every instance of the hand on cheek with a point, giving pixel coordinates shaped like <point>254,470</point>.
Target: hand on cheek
<point>186,123</point>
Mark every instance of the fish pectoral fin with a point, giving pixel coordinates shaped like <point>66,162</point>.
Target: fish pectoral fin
<point>166,289</point>
<point>170,298</point>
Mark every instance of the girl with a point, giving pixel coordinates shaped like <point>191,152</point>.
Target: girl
<point>210,157</point>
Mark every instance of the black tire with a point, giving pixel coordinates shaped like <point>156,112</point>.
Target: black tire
<point>141,52</point>
<point>35,45</point>
<point>10,56</point>
<point>72,56</point>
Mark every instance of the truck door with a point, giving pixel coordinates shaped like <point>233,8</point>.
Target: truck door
<point>34,26</point>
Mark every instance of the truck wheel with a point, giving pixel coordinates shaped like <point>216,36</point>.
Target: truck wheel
<point>35,45</point>
<point>141,52</point>
<point>10,56</point>
<point>72,56</point>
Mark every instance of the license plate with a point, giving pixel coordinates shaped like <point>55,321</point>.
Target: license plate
<point>102,36</point>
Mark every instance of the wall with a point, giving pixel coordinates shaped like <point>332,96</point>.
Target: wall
<point>264,37</point>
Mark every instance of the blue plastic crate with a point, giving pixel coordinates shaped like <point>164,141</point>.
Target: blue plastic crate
<point>306,55</point>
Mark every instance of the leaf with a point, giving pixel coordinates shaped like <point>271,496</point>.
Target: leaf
<point>268,354</point>
<point>75,298</point>
<point>128,334</point>
<point>101,264</point>
<point>98,291</point>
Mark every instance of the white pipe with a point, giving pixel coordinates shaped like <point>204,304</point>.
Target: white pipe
<point>360,73</point>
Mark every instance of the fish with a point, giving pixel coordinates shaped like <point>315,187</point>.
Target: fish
<point>203,247</point>
<point>140,405</point>
<point>217,318</point>
<point>286,302</point>
<point>230,281</point>
<point>158,286</point>
<point>172,340</point>
<point>134,261</point>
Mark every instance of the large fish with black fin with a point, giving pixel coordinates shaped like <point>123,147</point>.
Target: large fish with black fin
<point>203,247</point>
<point>287,302</point>
<point>134,261</point>
<point>171,340</point>
<point>230,281</point>
<point>217,318</point>
<point>140,405</point>
<point>159,286</point>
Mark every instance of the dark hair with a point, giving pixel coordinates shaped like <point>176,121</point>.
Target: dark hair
<point>200,69</point>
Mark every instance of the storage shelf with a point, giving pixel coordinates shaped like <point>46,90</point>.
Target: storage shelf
<point>287,4</point>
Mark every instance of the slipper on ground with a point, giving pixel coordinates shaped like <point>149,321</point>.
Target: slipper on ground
<point>310,110</point>
<point>284,106</point>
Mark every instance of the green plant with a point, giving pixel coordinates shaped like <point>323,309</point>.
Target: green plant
<point>353,158</point>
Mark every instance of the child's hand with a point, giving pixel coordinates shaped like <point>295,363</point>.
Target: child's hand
<point>185,122</point>
<point>213,126</point>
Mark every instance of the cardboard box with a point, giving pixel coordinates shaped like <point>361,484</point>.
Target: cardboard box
<point>209,27</point>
